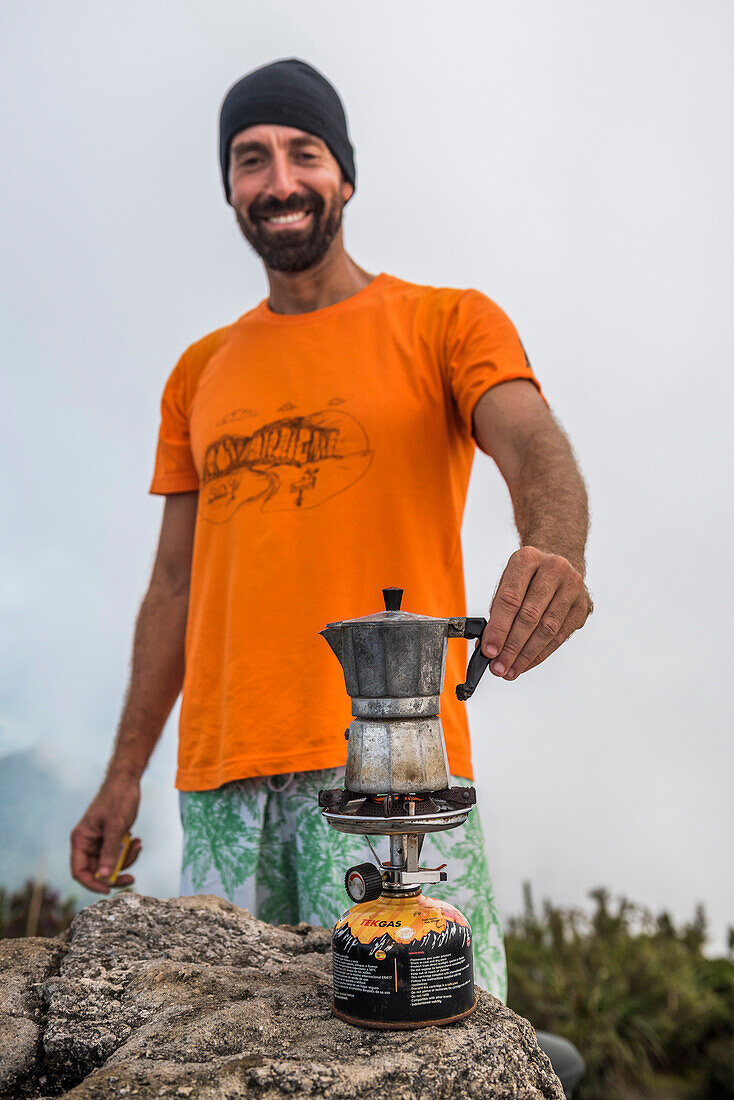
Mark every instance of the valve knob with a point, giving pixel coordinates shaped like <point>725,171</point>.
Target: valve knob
<point>364,882</point>
<point>393,598</point>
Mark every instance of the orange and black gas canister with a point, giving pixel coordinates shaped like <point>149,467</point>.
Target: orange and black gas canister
<point>403,962</point>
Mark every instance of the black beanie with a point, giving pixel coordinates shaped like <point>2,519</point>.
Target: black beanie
<point>286,93</point>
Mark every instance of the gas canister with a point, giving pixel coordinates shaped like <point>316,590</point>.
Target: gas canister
<point>403,962</point>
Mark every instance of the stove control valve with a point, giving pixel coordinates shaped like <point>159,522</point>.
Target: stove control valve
<point>364,882</point>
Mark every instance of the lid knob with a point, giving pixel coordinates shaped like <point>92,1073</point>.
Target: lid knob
<point>393,598</point>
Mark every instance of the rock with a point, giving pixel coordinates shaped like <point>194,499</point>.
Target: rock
<point>24,966</point>
<point>195,997</point>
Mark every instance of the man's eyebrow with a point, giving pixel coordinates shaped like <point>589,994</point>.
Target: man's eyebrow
<point>307,139</point>
<point>241,147</point>
<point>248,147</point>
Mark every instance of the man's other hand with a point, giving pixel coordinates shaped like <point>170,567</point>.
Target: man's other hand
<point>97,839</point>
<point>540,600</point>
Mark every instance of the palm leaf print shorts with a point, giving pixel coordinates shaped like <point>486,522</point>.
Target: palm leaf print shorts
<point>263,844</point>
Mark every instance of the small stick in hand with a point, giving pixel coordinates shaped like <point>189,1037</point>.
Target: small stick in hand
<point>124,849</point>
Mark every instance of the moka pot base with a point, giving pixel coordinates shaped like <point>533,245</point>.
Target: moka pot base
<point>400,755</point>
<point>403,962</point>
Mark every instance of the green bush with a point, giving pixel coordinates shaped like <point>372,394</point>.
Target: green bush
<point>650,1013</point>
<point>34,910</point>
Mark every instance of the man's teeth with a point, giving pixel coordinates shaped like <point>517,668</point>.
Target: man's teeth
<point>284,219</point>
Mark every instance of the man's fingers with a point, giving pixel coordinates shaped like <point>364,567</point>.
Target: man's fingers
<point>89,882</point>
<point>570,626</point>
<point>533,615</point>
<point>136,848</point>
<point>84,847</point>
<point>85,844</point>
<point>508,600</point>
<point>551,648</point>
<point>540,601</point>
<point>110,853</point>
<point>548,625</point>
<point>123,880</point>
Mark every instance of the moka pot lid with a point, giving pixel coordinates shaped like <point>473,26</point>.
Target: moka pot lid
<point>392,615</point>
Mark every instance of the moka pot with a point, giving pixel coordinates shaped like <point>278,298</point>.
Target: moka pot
<point>394,664</point>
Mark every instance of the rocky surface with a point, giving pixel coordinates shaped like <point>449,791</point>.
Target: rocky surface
<point>193,997</point>
<point>25,964</point>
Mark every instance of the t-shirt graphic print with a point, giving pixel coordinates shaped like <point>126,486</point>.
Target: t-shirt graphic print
<point>291,462</point>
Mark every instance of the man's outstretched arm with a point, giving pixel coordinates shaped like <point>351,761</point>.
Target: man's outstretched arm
<point>541,597</point>
<point>155,682</point>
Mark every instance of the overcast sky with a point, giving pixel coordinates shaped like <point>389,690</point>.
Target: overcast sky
<point>573,161</point>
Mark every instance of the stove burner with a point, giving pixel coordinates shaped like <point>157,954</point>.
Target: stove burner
<point>396,805</point>
<point>393,805</point>
<point>349,812</point>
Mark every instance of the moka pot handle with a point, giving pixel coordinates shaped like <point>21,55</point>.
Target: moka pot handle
<point>478,663</point>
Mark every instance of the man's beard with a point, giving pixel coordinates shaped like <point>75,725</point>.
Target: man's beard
<point>284,250</point>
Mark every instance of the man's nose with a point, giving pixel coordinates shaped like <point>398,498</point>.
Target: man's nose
<point>282,182</point>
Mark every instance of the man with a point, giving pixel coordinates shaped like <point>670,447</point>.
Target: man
<point>311,453</point>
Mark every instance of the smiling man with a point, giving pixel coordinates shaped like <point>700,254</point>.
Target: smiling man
<point>312,452</point>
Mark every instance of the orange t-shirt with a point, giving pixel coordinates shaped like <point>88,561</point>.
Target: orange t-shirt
<point>332,453</point>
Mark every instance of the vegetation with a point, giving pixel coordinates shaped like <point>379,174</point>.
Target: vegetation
<point>34,910</point>
<point>651,1014</point>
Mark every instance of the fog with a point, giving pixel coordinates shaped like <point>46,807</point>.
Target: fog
<point>574,162</point>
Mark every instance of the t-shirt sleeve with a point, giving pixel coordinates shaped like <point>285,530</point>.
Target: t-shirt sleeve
<point>482,348</point>
<point>174,464</point>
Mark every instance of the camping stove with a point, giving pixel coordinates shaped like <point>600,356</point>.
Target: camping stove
<point>401,959</point>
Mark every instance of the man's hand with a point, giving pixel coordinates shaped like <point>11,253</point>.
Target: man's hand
<point>96,840</point>
<point>540,600</point>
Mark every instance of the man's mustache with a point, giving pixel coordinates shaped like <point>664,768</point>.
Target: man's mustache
<point>294,204</point>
